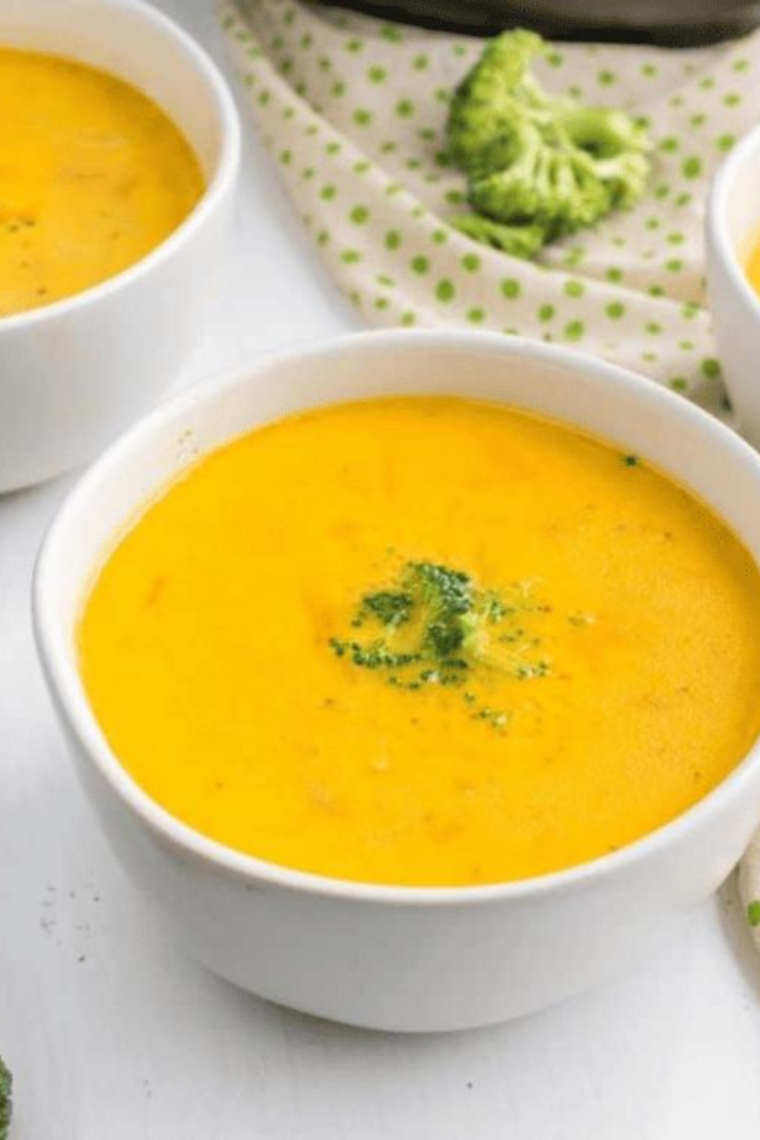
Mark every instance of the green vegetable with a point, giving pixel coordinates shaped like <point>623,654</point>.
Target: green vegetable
<point>435,627</point>
<point>753,913</point>
<point>6,1083</point>
<point>541,166</point>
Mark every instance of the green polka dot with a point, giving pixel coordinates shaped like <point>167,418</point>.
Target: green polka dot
<point>328,192</point>
<point>614,274</point>
<point>725,142</point>
<point>683,199</point>
<point>354,46</point>
<point>420,63</point>
<point>619,242</point>
<point>689,311</point>
<point>384,279</point>
<point>653,223</point>
<point>675,239</point>
<point>381,303</point>
<point>376,74</point>
<point>337,90</point>
<point>393,188</point>
<point>732,100</point>
<point>417,212</point>
<point>312,130</point>
<point>408,318</point>
<point>510,288</point>
<point>555,59</point>
<point>445,290</point>
<point>656,291</point>
<point>574,330</point>
<point>286,157</point>
<point>575,91</point>
<point>300,89</point>
<point>305,41</point>
<point>471,262</point>
<point>264,98</point>
<point>286,66</point>
<point>278,43</point>
<point>650,357</point>
<point>413,164</point>
<point>606,78</point>
<point>392,239</point>
<point>362,117</point>
<point>439,236</point>
<point>686,345</point>
<point>454,197</point>
<point>678,384</point>
<point>741,65</point>
<point>427,134</point>
<point>653,328</point>
<point>355,298</point>
<point>324,64</point>
<point>649,70</point>
<point>289,17</point>
<point>404,108</point>
<point>574,288</point>
<point>698,120</point>
<point>420,264</point>
<point>546,312</point>
<point>476,316</point>
<point>442,158</point>
<point>691,167</point>
<point>359,215</point>
<point>308,172</point>
<point>710,367</point>
<point>707,83</point>
<point>674,265</point>
<point>362,166</point>
<point>669,144</point>
<point>391,33</point>
<point>615,310</point>
<point>333,148</point>
<point>442,94</point>
<point>323,237</point>
<point>388,147</point>
<point>350,256</point>
<point>288,113</point>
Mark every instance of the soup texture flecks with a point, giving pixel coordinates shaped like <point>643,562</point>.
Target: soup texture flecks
<point>93,176</point>
<point>425,641</point>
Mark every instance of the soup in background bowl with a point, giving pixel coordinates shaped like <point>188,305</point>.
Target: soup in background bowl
<point>384,953</point>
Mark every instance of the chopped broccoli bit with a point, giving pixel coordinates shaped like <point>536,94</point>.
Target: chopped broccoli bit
<point>6,1085</point>
<point>538,165</point>
<point>438,628</point>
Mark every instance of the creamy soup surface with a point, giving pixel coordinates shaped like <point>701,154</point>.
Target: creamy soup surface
<point>254,650</point>
<point>93,175</point>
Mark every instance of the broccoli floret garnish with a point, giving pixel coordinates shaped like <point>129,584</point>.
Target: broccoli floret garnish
<point>6,1085</point>
<point>539,166</point>
<point>438,628</point>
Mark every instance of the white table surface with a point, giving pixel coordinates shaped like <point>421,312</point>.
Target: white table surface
<point>114,1035</point>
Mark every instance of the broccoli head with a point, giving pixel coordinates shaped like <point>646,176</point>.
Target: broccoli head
<point>436,627</point>
<point>535,163</point>
<point>6,1084</point>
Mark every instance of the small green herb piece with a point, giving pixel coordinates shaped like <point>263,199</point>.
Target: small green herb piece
<point>753,913</point>
<point>630,461</point>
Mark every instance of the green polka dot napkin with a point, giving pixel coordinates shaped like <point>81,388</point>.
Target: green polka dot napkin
<point>354,110</point>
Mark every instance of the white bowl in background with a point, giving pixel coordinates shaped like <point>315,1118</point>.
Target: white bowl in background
<point>398,958</point>
<point>75,373</point>
<point>732,221</point>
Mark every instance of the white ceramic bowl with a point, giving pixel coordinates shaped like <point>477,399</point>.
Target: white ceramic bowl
<point>733,219</point>
<point>75,373</point>
<point>388,957</point>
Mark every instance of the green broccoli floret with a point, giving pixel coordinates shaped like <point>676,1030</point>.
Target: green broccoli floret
<point>437,627</point>
<point>6,1085</point>
<point>536,163</point>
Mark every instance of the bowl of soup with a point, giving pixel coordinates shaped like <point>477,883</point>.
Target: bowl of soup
<point>119,148</point>
<point>415,675</point>
<point>733,277</point>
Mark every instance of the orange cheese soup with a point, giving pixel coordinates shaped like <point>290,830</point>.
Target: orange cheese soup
<point>425,641</point>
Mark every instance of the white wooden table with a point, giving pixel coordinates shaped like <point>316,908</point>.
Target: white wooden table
<point>114,1035</point>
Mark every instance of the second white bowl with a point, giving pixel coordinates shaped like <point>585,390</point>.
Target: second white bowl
<point>75,373</point>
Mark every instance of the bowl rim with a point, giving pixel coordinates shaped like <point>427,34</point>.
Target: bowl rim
<point>69,696</point>
<point>719,241</point>
<point>222,179</point>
